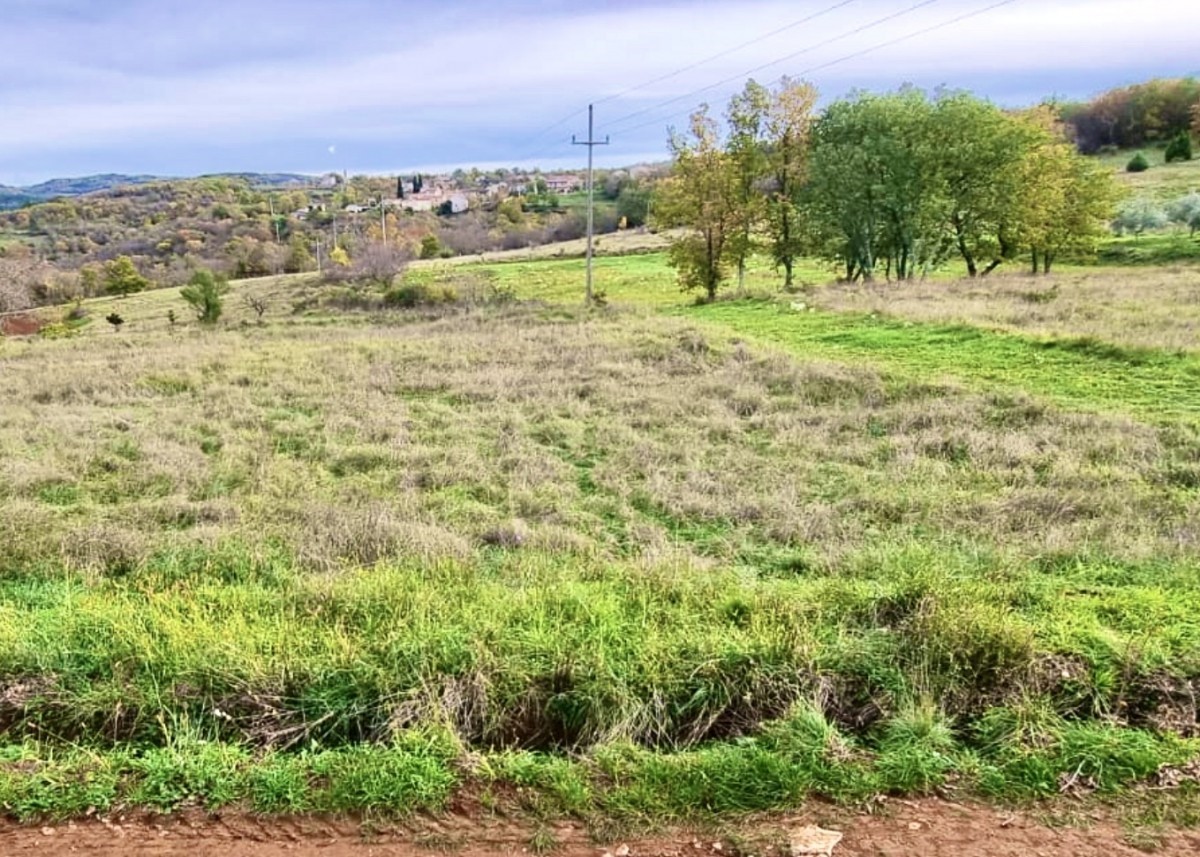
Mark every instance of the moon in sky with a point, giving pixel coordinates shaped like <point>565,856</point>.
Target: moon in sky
<point>333,150</point>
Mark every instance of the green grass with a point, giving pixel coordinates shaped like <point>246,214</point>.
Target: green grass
<point>651,562</point>
<point>1159,248</point>
<point>1077,373</point>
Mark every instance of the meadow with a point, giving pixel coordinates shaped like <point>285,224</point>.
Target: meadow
<point>640,562</point>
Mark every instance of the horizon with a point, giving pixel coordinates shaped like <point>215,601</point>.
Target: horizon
<point>503,86</point>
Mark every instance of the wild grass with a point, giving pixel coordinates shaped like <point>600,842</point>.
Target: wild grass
<point>1156,309</point>
<point>1082,373</point>
<point>635,565</point>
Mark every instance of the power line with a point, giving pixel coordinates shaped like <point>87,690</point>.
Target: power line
<point>855,55</point>
<point>778,30</point>
<point>726,53</point>
<point>591,142</point>
<point>859,29</point>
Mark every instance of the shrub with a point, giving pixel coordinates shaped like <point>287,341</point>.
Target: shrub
<point>1180,148</point>
<point>1186,212</point>
<point>205,293</point>
<point>121,277</point>
<point>430,247</point>
<point>1138,216</point>
<point>419,294</point>
<point>1137,164</point>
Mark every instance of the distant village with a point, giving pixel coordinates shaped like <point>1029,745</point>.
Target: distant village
<point>443,194</point>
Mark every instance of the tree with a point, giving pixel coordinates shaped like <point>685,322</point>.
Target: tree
<point>789,123</point>
<point>979,154</point>
<point>875,192</point>
<point>745,146</point>
<point>205,294</point>
<point>633,203</point>
<point>1137,164</point>
<point>702,196</point>
<point>431,248</point>
<point>1186,212</point>
<point>1066,199</point>
<point>338,256</point>
<point>1180,148</point>
<point>1138,216</point>
<point>115,320</point>
<point>299,259</point>
<point>121,277</point>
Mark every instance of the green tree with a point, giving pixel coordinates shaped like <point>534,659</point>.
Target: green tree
<point>746,116</point>
<point>205,293</point>
<point>1067,200</point>
<point>702,196</point>
<point>980,151</point>
<point>1180,148</point>
<point>299,258</point>
<point>1139,163</point>
<point>875,194</point>
<point>633,203</point>
<point>789,123</point>
<point>121,277</point>
<point>431,248</point>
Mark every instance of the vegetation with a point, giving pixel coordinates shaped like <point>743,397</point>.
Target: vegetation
<point>364,540</point>
<point>122,278</point>
<point>752,553</point>
<point>1137,164</point>
<point>900,182</point>
<point>1180,148</point>
<point>205,294</point>
<point>1134,116</point>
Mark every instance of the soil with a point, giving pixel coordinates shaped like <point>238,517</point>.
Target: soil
<point>901,828</point>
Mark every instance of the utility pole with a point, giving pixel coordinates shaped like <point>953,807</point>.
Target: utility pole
<point>275,222</point>
<point>591,142</point>
<point>383,218</point>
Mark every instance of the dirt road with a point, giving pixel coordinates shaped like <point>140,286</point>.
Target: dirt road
<point>905,829</point>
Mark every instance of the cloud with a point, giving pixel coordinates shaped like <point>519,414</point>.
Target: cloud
<point>196,87</point>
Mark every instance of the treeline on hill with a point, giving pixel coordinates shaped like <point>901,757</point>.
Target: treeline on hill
<point>58,251</point>
<point>895,184</point>
<point>1131,117</point>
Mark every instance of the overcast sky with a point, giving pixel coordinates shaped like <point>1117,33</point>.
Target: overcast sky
<point>182,88</point>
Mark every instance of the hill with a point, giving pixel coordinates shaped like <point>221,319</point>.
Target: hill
<point>18,197</point>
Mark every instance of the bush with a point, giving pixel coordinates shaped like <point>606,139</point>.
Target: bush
<point>419,294</point>
<point>205,293</point>
<point>1180,148</point>
<point>1137,164</point>
<point>1186,212</point>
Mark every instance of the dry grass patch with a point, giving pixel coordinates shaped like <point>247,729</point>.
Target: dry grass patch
<point>622,436</point>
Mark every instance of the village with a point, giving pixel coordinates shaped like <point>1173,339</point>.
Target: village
<point>447,194</point>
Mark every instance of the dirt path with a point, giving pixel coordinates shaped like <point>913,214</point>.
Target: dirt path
<point>906,829</point>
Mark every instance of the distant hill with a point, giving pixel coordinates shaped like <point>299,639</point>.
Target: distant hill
<point>18,197</point>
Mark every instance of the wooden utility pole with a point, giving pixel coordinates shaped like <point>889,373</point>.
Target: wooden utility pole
<point>591,142</point>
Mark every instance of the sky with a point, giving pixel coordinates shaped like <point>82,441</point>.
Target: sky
<point>388,86</point>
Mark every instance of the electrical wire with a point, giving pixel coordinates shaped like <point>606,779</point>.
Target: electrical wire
<point>855,55</point>
<point>725,53</point>
<point>824,43</point>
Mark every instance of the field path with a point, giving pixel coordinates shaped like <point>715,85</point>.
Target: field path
<point>928,828</point>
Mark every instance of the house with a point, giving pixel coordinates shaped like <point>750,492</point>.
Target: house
<point>354,209</point>
<point>458,203</point>
<point>562,183</point>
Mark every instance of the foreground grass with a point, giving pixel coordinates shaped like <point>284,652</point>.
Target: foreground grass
<point>632,565</point>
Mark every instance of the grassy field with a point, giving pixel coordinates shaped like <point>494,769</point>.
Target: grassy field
<point>1162,181</point>
<point>643,562</point>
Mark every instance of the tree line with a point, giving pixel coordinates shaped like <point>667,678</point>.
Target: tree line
<point>880,184</point>
<point>1134,116</point>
